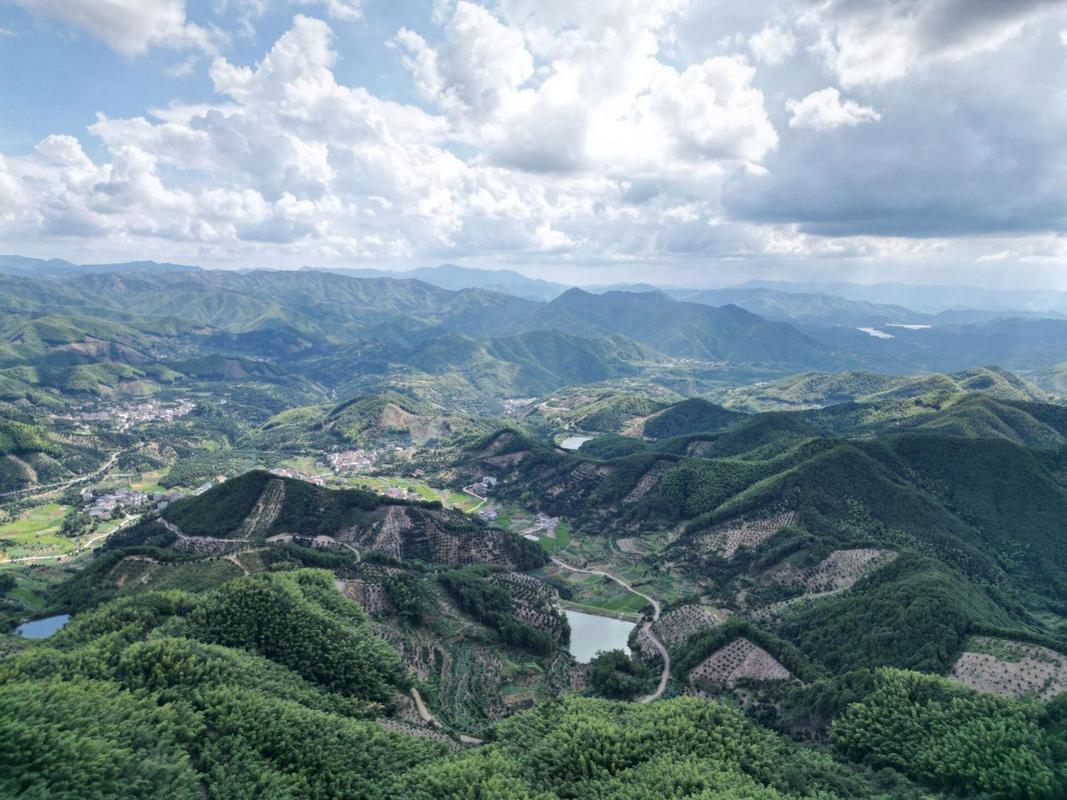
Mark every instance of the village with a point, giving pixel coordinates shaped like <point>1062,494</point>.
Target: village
<point>124,417</point>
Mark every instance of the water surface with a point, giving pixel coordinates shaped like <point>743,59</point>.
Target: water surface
<point>42,628</point>
<point>877,334</point>
<point>591,633</point>
<point>574,442</point>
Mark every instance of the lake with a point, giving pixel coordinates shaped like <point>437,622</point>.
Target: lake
<point>574,442</point>
<point>591,633</point>
<point>42,628</point>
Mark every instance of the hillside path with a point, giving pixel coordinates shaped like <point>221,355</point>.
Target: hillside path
<point>472,493</point>
<point>427,717</point>
<point>170,526</point>
<point>647,627</point>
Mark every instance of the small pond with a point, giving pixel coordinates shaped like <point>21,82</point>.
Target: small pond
<point>574,442</point>
<point>42,628</point>
<point>591,633</point>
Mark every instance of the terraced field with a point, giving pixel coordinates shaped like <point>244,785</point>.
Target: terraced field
<point>746,532</point>
<point>1011,668</point>
<point>678,624</point>
<point>741,659</point>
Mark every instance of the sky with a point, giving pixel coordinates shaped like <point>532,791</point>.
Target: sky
<point>667,141</point>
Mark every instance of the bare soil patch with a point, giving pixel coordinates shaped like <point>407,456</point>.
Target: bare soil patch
<point>741,659</point>
<point>1010,668</point>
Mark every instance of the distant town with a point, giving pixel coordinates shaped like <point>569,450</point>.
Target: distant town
<point>124,417</point>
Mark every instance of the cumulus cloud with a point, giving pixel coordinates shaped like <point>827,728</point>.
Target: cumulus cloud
<point>478,67</point>
<point>824,110</point>
<point>619,132</point>
<point>290,160</point>
<point>772,45</point>
<point>601,100</point>
<point>130,27</point>
<point>875,41</point>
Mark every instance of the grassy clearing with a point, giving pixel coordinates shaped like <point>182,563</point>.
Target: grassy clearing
<point>563,534</point>
<point>149,481</point>
<point>35,532</point>
<point>414,489</point>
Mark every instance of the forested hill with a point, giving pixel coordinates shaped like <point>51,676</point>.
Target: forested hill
<point>681,329</point>
<point>274,685</point>
<point>260,508</point>
<point>951,534</point>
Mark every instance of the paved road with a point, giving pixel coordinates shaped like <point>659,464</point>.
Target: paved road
<point>33,491</point>
<point>647,627</point>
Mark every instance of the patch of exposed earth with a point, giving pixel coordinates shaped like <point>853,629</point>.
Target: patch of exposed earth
<point>1014,669</point>
<point>746,532</point>
<point>678,624</point>
<point>739,660</point>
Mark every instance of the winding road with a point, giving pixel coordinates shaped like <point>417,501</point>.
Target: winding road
<point>472,493</point>
<point>647,627</point>
<point>47,488</point>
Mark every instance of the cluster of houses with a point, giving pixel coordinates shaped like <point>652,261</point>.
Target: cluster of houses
<point>516,404</point>
<point>351,461</point>
<point>484,485</point>
<point>124,417</point>
<point>286,472</point>
<point>106,505</point>
<point>199,490</point>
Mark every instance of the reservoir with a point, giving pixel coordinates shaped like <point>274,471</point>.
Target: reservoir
<point>591,633</point>
<point>42,628</point>
<point>574,442</point>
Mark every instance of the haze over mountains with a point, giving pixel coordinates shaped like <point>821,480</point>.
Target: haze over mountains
<point>312,315</point>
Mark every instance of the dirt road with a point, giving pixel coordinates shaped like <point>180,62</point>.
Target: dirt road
<point>647,627</point>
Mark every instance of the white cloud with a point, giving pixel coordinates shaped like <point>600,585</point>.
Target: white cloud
<point>884,40</point>
<point>478,67</point>
<point>601,100</point>
<point>6,32</point>
<point>183,68</point>
<point>1063,38</point>
<point>824,110</point>
<point>345,10</point>
<point>618,132</point>
<point>599,147</point>
<point>772,45</point>
<point>291,160</point>
<point>129,26</point>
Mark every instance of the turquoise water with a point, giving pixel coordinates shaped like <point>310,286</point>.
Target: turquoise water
<point>591,633</point>
<point>42,628</point>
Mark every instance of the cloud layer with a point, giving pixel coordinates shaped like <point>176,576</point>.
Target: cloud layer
<point>612,133</point>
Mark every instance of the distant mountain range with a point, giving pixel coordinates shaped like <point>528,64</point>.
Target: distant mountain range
<point>932,299</point>
<point>809,302</point>
<point>451,276</point>
<point>53,267</point>
<point>365,332</point>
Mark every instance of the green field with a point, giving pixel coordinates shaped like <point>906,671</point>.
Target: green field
<point>35,533</point>
<point>414,489</point>
<point>149,481</point>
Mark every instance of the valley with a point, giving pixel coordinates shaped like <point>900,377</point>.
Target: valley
<point>430,519</point>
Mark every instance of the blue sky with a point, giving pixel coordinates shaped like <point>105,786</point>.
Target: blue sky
<point>686,141</point>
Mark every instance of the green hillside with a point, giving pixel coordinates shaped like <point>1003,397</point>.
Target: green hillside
<point>689,416</point>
